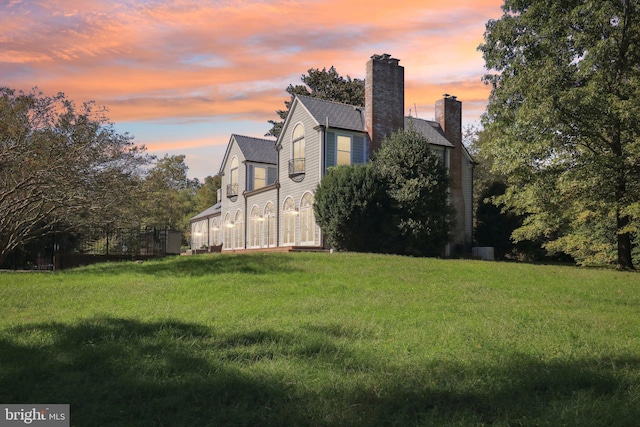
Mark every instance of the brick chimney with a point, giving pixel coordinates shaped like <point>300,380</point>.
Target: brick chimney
<point>383,98</point>
<point>449,115</point>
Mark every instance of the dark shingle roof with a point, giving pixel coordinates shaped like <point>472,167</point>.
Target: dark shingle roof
<point>215,209</point>
<point>257,149</point>
<point>341,116</point>
<point>431,130</point>
<point>349,117</point>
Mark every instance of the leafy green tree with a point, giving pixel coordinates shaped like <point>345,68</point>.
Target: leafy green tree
<point>398,203</point>
<point>417,183</point>
<point>207,193</point>
<point>563,115</point>
<point>168,195</point>
<point>324,84</point>
<point>62,166</point>
<point>352,208</point>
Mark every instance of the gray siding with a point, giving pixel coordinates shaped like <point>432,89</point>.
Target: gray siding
<point>232,205</point>
<point>467,194</point>
<point>313,151</point>
<point>330,150</point>
<point>313,155</point>
<point>260,200</point>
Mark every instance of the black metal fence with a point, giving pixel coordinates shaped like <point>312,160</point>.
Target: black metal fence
<point>95,244</point>
<point>120,241</point>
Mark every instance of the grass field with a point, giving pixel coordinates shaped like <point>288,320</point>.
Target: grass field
<point>324,340</point>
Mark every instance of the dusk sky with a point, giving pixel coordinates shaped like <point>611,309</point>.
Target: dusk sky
<point>182,75</point>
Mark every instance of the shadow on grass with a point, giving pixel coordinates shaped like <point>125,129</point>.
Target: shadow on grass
<point>116,372</point>
<point>201,265</point>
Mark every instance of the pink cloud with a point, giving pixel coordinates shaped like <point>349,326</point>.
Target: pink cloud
<point>195,60</point>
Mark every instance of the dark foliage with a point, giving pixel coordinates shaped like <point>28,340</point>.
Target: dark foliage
<point>323,84</point>
<point>353,209</point>
<point>396,204</point>
<point>417,183</point>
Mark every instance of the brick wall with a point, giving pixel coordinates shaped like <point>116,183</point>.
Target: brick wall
<point>384,98</point>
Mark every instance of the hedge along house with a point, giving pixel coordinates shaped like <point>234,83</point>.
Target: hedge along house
<point>267,193</point>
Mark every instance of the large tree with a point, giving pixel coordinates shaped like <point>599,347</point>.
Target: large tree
<point>563,116</point>
<point>61,166</point>
<point>207,194</point>
<point>323,84</point>
<point>398,203</point>
<point>417,183</point>
<point>168,195</point>
<point>353,209</point>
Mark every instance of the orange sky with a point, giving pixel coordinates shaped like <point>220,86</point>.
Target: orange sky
<point>182,75</point>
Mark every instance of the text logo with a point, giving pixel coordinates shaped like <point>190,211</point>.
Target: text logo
<point>40,415</point>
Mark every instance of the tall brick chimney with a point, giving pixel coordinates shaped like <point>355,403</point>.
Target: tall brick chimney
<point>383,98</point>
<point>449,115</point>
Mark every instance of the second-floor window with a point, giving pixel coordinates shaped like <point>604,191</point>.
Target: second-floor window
<point>232,187</point>
<point>259,177</point>
<point>343,150</point>
<point>297,150</point>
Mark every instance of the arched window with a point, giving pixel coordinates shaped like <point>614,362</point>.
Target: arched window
<point>198,237</point>
<point>256,221</point>
<point>238,228</point>
<point>307,221</point>
<point>296,164</point>
<point>289,217</point>
<point>232,187</point>
<point>228,232</point>
<point>214,231</point>
<point>269,225</point>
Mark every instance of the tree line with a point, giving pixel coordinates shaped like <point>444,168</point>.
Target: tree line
<point>63,167</point>
<point>561,130</point>
<point>558,153</point>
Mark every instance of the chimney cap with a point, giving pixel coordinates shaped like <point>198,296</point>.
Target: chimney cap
<point>386,58</point>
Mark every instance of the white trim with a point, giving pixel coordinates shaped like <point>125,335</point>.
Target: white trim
<point>239,225</point>
<point>306,214</point>
<point>289,214</point>
<point>270,233</point>
<point>255,234</point>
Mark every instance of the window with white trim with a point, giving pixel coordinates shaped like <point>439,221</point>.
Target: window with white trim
<point>296,164</point>
<point>269,225</point>
<point>289,221</point>
<point>232,187</point>
<point>256,220</point>
<point>237,227</point>
<point>307,221</point>
<point>214,231</point>
<point>343,150</point>
<point>228,232</point>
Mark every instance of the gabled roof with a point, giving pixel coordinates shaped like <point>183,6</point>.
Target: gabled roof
<point>349,117</point>
<point>340,116</point>
<point>431,130</point>
<point>257,149</point>
<point>213,210</point>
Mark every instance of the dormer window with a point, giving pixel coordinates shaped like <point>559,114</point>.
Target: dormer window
<point>296,164</point>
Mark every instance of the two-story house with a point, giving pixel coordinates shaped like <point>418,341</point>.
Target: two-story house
<point>267,193</point>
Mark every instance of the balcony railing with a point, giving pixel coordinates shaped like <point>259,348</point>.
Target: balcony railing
<point>232,190</point>
<point>296,167</point>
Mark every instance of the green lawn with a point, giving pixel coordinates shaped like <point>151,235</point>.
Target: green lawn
<point>324,339</point>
